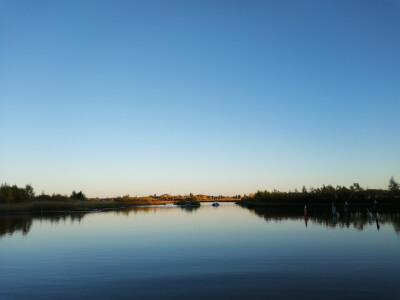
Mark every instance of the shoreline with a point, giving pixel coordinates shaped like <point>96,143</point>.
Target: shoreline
<point>90,206</point>
<point>84,206</point>
<point>65,207</point>
<point>320,207</point>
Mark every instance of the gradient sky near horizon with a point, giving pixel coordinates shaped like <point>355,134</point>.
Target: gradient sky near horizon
<point>214,97</point>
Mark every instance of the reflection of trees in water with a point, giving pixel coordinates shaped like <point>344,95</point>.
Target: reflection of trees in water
<point>357,219</point>
<point>10,224</point>
<point>22,222</point>
<point>13,223</point>
<point>152,209</point>
<point>189,209</point>
<point>138,209</point>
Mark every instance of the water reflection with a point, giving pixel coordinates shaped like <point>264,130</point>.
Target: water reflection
<point>154,209</point>
<point>14,223</point>
<point>189,209</point>
<point>168,252</point>
<point>21,223</point>
<point>377,225</point>
<point>356,220</point>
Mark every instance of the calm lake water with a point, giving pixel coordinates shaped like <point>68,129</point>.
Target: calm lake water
<point>206,253</point>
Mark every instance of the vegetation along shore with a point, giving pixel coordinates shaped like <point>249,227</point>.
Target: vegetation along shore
<point>321,199</point>
<point>16,199</point>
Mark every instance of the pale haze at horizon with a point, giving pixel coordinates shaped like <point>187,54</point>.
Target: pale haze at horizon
<point>211,97</point>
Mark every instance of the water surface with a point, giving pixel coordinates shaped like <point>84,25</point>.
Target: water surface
<point>210,252</point>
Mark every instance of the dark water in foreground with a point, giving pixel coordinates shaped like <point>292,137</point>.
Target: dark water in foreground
<point>226,252</point>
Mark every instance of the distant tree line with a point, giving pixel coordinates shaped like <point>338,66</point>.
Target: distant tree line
<point>328,193</point>
<point>167,197</point>
<point>200,197</point>
<point>15,194</point>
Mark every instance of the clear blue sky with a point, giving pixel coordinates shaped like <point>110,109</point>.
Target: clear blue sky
<point>215,97</point>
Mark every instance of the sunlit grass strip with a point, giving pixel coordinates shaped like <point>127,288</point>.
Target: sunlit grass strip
<point>71,205</point>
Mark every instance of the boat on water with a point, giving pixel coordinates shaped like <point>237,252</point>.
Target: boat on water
<point>215,204</point>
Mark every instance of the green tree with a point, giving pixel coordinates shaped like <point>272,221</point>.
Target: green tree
<point>78,196</point>
<point>356,187</point>
<point>393,185</point>
<point>29,191</point>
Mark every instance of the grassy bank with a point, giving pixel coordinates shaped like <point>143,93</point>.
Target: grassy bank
<point>71,205</point>
<point>44,206</point>
<point>16,199</point>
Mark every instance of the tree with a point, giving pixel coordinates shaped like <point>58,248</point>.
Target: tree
<point>356,187</point>
<point>393,185</point>
<point>78,196</point>
<point>29,191</point>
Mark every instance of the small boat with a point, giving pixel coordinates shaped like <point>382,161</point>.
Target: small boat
<point>215,204</point>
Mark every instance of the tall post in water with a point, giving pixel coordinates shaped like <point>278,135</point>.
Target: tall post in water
<point>305,214</point>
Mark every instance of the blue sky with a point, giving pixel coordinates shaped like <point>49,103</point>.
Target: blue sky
<point>215,97</point>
